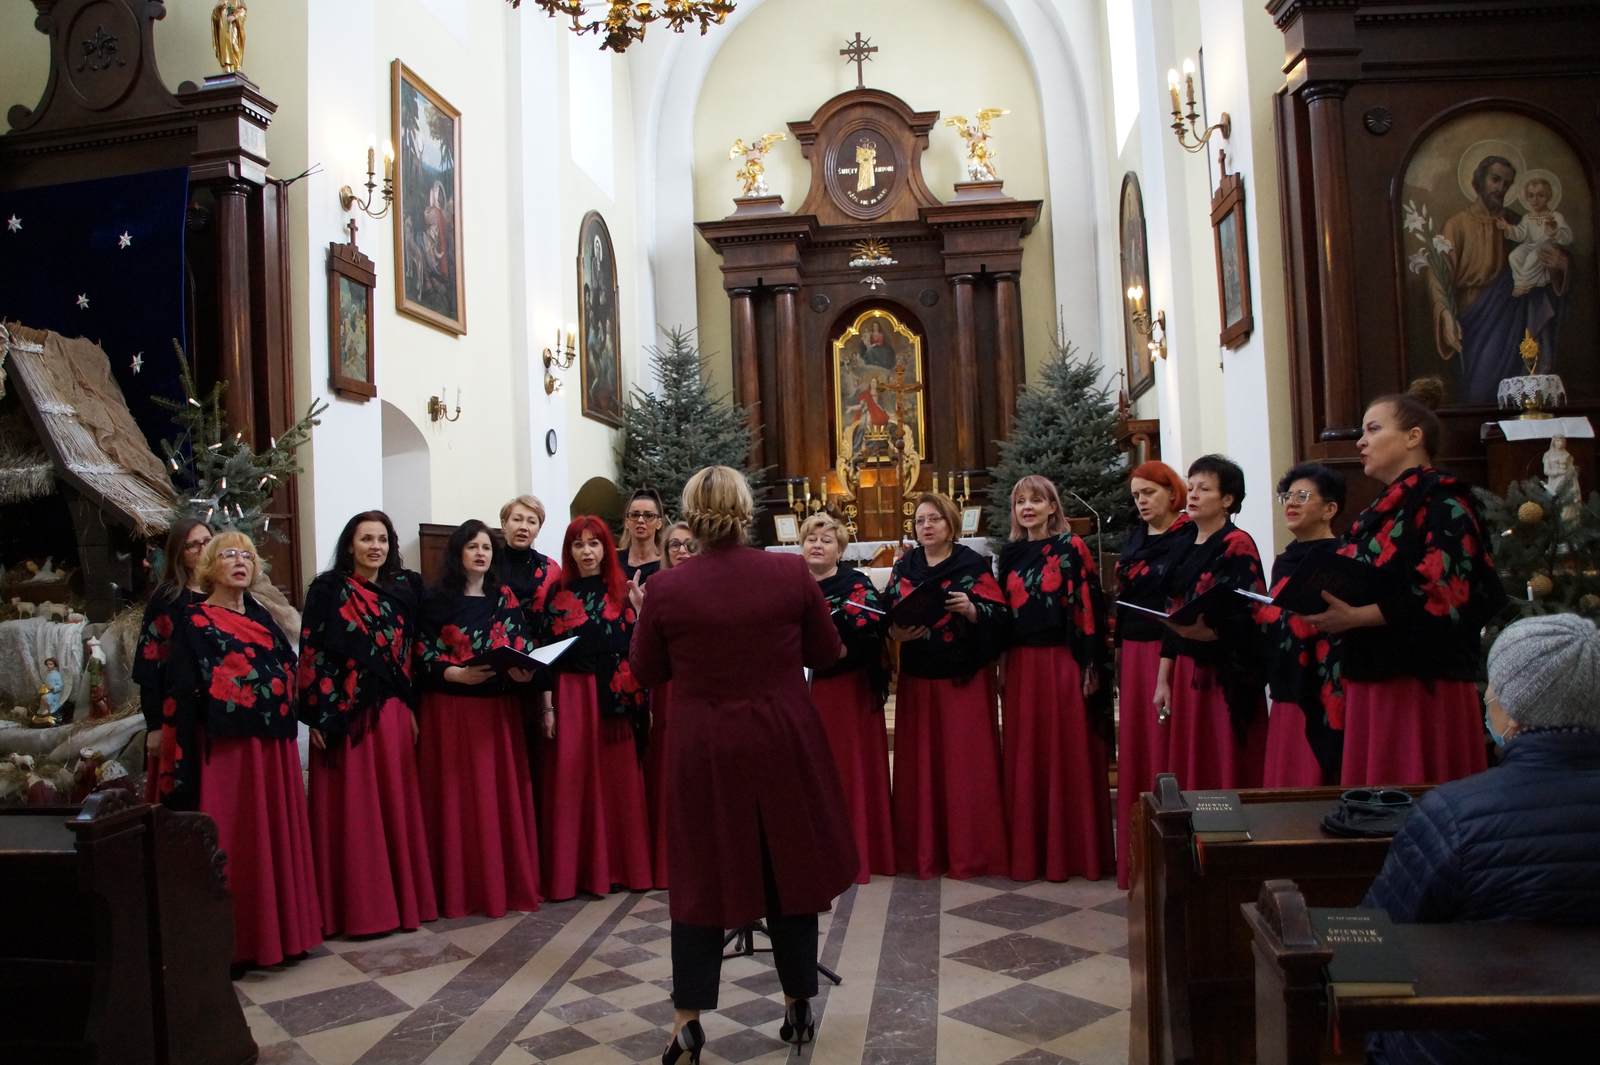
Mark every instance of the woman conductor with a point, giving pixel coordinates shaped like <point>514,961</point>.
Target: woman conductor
<point>756,820</point>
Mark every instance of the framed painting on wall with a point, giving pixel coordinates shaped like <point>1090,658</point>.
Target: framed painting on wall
<point>1135,274</point>
<point>1233,261</point>
<point>429,276</point>
<point>599,323</point>
<point>352,282</point>
<point>1495,223</point>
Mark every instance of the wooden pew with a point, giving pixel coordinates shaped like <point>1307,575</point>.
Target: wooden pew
<point>1188,946</point>
<point>1472,977</point>
<point>116,935</point>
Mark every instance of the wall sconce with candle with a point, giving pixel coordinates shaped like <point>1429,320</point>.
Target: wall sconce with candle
<point>439,407</point>
<point>347,195</point>
<point>1185,132</point>
<point>559,358</point>
<point>1153,329</point>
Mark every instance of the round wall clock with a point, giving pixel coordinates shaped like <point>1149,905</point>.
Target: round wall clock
<point>550,442</point>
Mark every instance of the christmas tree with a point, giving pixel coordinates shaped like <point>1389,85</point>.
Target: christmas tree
<point>1066,429</point>
<point>220,478</point>
<point>681,427</point>
<point>1546,549</point>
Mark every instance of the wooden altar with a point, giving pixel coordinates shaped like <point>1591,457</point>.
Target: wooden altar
<point>1370,85</point>
<point>954,285</point>
<point>104,120</point>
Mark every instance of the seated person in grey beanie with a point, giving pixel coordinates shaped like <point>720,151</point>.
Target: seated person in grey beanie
<point>1518,842</point>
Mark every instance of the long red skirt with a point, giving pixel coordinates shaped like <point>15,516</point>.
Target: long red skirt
<point>853,722</point>
<point>948,814</point>
<point>594,821</point>
<point>1141,741</point>
<point>252,789</point>
<point>655,781</point>
<point>367,834</point>
<point>477,804</point>
<point>1201,744</point>
<point>1290,763</point>
<point>1405,731</point>
<point>1058,797</point>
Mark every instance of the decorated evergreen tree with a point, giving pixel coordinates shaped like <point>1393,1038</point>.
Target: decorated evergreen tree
<point>681,427</point>
<point>1066,430</point>
<point>1546,550</point>
<point>221,479</point>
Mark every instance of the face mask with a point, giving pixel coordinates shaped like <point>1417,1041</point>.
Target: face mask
<point>1499,738</point>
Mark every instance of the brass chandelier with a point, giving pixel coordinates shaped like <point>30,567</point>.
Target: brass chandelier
<point>625,22</point>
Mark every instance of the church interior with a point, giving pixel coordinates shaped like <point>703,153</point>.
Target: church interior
<point>871,254</point>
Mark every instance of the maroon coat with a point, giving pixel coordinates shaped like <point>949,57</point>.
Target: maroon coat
<point>747,756</point>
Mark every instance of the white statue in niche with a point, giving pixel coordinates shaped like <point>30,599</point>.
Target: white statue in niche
<point>1561,478</point>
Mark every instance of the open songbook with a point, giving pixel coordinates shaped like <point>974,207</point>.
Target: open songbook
<point>1354,582</point>
<point>503,659</point>
<point>923,605</point>
<point>1217,602</point>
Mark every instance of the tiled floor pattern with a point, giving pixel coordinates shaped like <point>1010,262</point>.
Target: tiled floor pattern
<point>979,972</point>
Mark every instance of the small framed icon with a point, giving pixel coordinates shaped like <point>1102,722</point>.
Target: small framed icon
<point>971,518</point>
<point>787,528</point>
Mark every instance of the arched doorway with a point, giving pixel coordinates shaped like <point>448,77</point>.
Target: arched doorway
<point>407,480</point>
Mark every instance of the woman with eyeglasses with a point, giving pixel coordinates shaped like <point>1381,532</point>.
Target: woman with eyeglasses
<point>948,813</point>
<point>1211,685</point>
<point>179,588</point>
<point>357,697</point>
<point>642,535</point>
<point>1412,714</point>
<point>229,736</point>
<point>1154,545</point>
<point>477,790</point>
<point>1056,708</point>
<point>594,820</point>
<point>850,694</point>
<point>1305,728</point>
<point>681,547</point>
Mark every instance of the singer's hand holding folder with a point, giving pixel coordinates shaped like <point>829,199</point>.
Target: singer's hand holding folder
<point>1346,579</point>
<point>923,605</point>
<point>1214,603</point>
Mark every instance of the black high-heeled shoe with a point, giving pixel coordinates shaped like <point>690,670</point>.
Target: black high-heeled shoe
<point>798,1027</point>
<point>692,1038</point>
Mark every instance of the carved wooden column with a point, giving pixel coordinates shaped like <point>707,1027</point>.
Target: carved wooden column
<point>1336,261</point>
<point>791,380</point>
<point>746,371</point>
<point>1008,358</point>
<point>965,408</point>
<point>233,304</point>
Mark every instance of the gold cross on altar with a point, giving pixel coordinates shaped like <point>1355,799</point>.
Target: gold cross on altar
<point>900,387</point>
<point>858,51</point>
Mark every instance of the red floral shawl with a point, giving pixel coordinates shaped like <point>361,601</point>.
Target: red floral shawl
<point>355,650</point>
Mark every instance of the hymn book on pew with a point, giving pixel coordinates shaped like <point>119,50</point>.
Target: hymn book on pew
<point>1217,602</point>
<point>1367,960</point>
<point>1216,816</point>
<point>1346,579</point>
<point>503,659</point>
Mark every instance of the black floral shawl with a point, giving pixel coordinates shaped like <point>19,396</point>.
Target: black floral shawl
<point>604,629</point>
<point>861,631</point>
<point>1143,571</point>
<point>356,645</point>
<point>456,628</point>
<point>1053,590</point>
<point>1303,664</point>
<point>161,618</point>
<point>955,648</point>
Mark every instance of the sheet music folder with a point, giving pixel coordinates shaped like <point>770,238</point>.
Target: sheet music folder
<point>502,659</point>
<point>1221,601</point>
<point>923,605</point>
<point>1355,582</point>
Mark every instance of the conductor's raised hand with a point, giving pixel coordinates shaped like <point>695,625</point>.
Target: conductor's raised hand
<point>636,593</point>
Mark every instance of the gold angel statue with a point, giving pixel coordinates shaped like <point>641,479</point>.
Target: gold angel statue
<point>227,34</point>
<point>980,157</point>
<point>753,174</point>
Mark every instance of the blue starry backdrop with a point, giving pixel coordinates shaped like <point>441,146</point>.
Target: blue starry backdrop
<point>104,260</point>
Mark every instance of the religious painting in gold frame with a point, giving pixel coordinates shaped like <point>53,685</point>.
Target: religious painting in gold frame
<point>879,390</point>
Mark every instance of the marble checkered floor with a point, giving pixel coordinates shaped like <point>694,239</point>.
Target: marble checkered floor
<point>978,972</point>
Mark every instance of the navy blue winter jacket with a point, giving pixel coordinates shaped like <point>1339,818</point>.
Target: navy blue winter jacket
<point>1520,842</point>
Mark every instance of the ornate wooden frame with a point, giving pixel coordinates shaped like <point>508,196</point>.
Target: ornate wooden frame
<point>347,261</point>
<point>1138,358</point>
<point>583,320</point>
<point>1227,209</point>
<point>399,73</point>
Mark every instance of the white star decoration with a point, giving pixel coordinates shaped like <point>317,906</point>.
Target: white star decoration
<point>138,362</point>
<point>126,240</point>
<point>83,301</point>
<point>13,223</point>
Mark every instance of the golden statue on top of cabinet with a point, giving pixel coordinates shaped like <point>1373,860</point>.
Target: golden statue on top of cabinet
<point>753,174</point>
<point>227,34</point>
<point>980,157</point>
